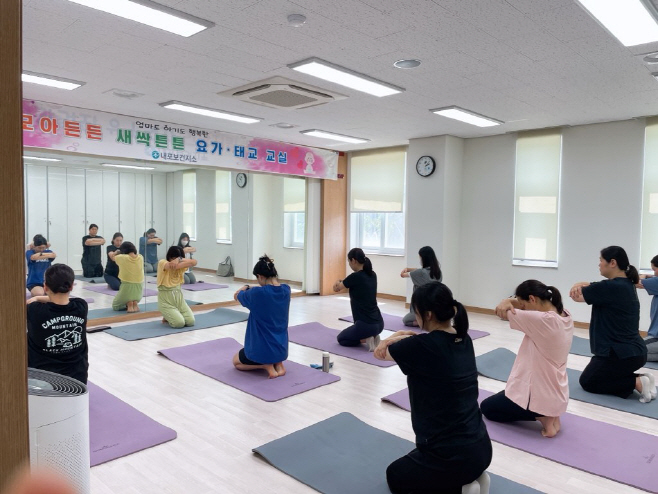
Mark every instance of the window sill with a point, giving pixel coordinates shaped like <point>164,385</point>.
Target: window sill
<point>383,254</point>
<point>534,263</point>
<point>225,242</point>
<point>294,247</point>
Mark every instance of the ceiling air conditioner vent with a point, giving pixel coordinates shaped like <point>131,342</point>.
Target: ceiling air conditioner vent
<point>279,92</point>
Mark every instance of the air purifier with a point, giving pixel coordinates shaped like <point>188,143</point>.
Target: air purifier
<point>59,426</point>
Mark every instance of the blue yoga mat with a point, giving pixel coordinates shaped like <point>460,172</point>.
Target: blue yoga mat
<point>580,346</point>
<point>497,364</point>
<point>108,312</point>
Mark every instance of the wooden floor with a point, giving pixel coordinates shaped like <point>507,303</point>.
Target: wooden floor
<point>218,425</point>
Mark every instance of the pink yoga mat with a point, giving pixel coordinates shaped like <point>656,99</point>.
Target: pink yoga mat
<point>106,290</point>
<point>606,450</point>
<point>215,359</point>
<point>116,429</point>
<point>394,323</point>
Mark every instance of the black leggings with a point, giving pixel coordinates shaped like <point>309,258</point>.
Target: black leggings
<point>113,282</point>
<point>611,375</point>
<point>412,474</point>
<point>360,330</point>
<point>92,270</point>
<point>499,408</point>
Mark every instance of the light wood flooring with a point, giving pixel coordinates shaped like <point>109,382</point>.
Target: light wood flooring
<point>218,425</point>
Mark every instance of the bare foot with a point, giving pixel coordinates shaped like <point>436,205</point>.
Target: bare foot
<point>549,423</point>
<point>135,306</point>
<point>271,372</point>
<point>164,321</point>
<point>280,369</point>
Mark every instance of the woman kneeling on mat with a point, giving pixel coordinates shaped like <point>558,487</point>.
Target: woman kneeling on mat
<point>362,284</point>
<point>614,336</point>
<point>538,386</point>
<point>430,271</point>
<point>453,448</point>
<point>131,274</point>
<point>266,339</point>
<point>171,303</point>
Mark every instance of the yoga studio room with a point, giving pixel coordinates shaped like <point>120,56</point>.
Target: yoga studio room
<point>345,246</point>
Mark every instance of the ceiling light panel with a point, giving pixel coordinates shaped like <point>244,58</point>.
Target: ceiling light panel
<point>132,167</point>
<point>50,80</point>
<point>345,77</point>
<point>628,20</point>
<point>466,116</point>
<point>209,112</point>
<point>334,137</point>
<point>38,158</point>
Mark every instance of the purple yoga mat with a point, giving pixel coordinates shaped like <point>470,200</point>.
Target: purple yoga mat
<point>116,429</point>
<point>394,323</point>
<point>108,291</point>
<point>316,335</point>
<point>606,450</point>
<point>215,359</point>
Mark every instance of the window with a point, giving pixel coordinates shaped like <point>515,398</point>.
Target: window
<point>377,199</point>
<point>649,236</point>
<point>189,203</point>
<point>294,212</point>
<point>223,206</point>
<point>537,198</point>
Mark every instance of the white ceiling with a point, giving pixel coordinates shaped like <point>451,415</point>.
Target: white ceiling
<point>530,63</point>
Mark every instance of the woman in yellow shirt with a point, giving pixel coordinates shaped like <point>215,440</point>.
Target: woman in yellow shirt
<point>171,272</point>
<point>131,274</point>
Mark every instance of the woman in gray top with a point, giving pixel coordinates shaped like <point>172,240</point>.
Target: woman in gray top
<point>430,271</point>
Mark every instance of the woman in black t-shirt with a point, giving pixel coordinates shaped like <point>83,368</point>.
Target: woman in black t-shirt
<point>614,331</point>
<point>362,284</point>
<point>453,448</point>
<point>57,327</point>
<point>112,268</point>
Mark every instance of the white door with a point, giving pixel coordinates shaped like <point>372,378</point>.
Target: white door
<point>77,224</point>
<point>36,202</point>
<point>110,204</point>
<point>141,223</point>
<point>160,207</point>
<point>127,208</point>
<point>57,215</point>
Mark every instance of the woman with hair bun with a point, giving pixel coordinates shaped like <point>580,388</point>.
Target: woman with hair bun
<point>614,330</point>
<point>453,448</point>
<point>538,386</point>
<point>266,339</point>
<point>362,285</point>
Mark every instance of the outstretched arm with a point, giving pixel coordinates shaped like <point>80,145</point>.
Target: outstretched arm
<point>505,305</point>
<point>338,286</point>
<point>95,241</point>
<point>382,353</point>
<point>576,292</point>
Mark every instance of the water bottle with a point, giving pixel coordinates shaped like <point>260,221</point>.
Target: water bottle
<point>325,362</point>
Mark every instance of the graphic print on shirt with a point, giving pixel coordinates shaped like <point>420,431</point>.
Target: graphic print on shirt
<point>68,337</point>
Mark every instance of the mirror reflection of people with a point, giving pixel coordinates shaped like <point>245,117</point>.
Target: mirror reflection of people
<point>39,259</point>
<point>453,447</point>
<point>266,339</point>
<point>57,327</point>
<point>649,282</point>
<point>184,243</point>
<point>148,249</point>
<point>131,274</point>
<point>362,286</point>
<point>430,271</point>
<point>92,266</point>
<point>171,302</point>
<point>111,274</point>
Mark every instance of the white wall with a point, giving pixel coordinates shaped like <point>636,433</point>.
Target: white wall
<point>600,205</point>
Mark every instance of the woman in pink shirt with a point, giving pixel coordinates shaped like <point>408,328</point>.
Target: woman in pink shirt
<point>538,387</point>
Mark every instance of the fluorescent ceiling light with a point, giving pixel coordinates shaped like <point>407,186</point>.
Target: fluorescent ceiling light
<point>39,158</point>
<point>630,21</point>
<point>151,14</point>
<point>209,112</point>
<point>49,80</point>
<point>332,136</point>
<point>344,77</point>
<point>466,116</point>
<point>134,167</point>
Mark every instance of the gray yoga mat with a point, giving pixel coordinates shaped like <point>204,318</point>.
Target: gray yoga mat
<point>108,312</point>
<point>215,359</point>
<point>497,364</point>
<point>580,346</point>
<point>90,280</point>
<point>323,456</point>
<point>153,329</point>
<point>607,450</point>
<point>117,429</point>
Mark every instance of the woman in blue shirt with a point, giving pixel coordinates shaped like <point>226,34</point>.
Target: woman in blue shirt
<point>266,339</point>
<point>650,284</point>
<point>39,258</point>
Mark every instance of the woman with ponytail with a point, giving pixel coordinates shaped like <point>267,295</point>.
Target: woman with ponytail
<point>266,339</point>
<point>538,386</point>
<point>430,271</point>
<point>362,285</point>
<point>453,448</point>
<point>614,330</point>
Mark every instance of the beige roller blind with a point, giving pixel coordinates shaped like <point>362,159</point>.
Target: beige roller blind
<point>377,180</point>
<point>537,195</point>
<point>294,195</point>
<point>223,205</point>
<point>649,239</point>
